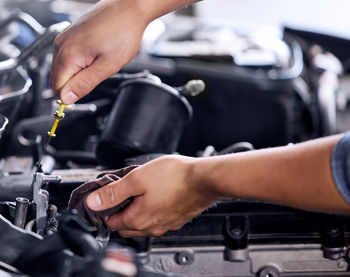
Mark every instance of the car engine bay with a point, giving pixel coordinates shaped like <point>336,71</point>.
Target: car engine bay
<point>199,90</point>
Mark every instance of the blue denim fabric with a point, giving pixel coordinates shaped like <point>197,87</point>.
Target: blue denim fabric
<point>341,166</point>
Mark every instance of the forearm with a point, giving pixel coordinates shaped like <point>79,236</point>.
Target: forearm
<point>138,10</point>
<point>141,11</point>
<point>171,190</point>
<point>153,9</point>
<point>299,176</point>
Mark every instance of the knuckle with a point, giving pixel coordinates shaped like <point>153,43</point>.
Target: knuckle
<point>60,38</point>
<point>144,226</point>
<point>124,234</point>
<point>83,86</point>
<point>110,226</point>
<point>128,234</point>
<point>129,222</point>
<point>130,177</point>
<point>108,194</point>
<point>57,43</point>
<point>133,179</point>
<point>131,225</point>
<point>156,232</point>
<point>66,52</point>
<point>56,48</point>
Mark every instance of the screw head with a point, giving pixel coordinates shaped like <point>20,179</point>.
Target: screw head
<point>184,258</point>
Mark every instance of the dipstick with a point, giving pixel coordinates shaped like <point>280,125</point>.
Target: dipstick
<point>59,115</point>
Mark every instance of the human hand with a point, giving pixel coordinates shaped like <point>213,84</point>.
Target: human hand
<point>167,195</point>
<point>101,42</point>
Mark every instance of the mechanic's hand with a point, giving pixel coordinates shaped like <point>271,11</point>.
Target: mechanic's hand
<point>101,42</point>
<point>167,195</point>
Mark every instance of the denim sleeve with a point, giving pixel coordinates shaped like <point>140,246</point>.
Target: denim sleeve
<point>341,166</point>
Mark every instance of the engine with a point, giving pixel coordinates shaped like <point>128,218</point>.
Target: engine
<point>182,96</point>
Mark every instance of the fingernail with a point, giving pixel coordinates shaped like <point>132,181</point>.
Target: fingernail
<point>69,97</point>
<point>94,201</point>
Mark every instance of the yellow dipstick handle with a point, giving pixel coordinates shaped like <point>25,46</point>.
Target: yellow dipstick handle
<point>59,115</point>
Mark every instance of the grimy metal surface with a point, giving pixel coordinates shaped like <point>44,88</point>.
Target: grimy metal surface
<point>263,260</point>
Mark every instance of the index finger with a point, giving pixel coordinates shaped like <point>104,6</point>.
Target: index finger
<point>64,67</point>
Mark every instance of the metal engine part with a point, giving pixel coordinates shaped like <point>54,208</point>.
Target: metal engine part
<point>263,261</point>
<point>235,238</point>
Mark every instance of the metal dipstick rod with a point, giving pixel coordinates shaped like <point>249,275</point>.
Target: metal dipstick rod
<point>59,115</point>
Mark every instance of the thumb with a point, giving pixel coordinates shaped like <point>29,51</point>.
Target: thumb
<point>111,195</point>
<point>87,79</point>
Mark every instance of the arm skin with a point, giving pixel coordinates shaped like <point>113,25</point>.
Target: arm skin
<point>171,190</point>
<point>101,42</point>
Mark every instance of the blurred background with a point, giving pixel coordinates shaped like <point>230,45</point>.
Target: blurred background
<point>330,17</point>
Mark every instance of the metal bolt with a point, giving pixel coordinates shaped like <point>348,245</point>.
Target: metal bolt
<point>236,231</point>
<point>21,211</point>
<point>184,258</point>
<point>268,271</point>
<point>340,264</point>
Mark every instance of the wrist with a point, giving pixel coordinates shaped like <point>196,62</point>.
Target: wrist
<point>205,175</point>
<point>132,10</point>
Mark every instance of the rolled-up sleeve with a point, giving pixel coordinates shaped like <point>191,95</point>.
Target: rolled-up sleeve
<point>341,166</point>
